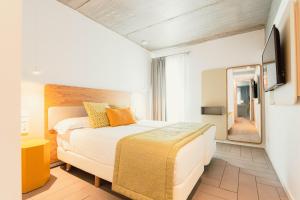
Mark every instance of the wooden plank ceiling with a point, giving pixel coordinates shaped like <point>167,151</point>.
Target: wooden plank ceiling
<point>168,23</point>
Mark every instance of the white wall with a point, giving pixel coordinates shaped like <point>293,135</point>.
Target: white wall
<point>242,49</point>
<point>10,63</point>
<point>283,135</point>
<point>282,144</point>
<point>272,15</point>
<point>71,49</point>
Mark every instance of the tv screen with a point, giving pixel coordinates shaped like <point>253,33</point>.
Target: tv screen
<point>273,71</point>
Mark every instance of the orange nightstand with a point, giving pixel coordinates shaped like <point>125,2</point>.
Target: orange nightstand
<point>35,163</point>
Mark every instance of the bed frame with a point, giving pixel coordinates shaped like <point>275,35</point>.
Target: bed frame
<point>67,96</point>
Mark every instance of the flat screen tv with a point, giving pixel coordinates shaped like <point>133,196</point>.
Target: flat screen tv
<point>273,69</point>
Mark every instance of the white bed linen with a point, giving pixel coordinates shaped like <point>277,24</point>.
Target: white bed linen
<point>99,145</point>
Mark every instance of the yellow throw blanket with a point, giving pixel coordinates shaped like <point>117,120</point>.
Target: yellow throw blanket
<point>144,164</point>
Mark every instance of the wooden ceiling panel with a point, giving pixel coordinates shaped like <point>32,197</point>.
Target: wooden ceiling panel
<point>166,23</point>
<point>129,16</point>
<point>74,3</point>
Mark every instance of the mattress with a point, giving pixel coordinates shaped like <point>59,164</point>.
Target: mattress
<point>99,145</point>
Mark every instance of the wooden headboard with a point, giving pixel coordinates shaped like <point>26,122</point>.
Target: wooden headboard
<point>60,95</point>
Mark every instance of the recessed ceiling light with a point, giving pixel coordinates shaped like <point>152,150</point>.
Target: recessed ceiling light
<point>144,42</point>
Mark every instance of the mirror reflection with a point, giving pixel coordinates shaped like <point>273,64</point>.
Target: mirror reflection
<point>243,103</point>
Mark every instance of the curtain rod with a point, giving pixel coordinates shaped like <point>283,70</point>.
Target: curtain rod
<point>185,52</point>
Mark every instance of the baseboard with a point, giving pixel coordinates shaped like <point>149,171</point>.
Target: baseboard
<point>241,143</point>
<point>287,191</point>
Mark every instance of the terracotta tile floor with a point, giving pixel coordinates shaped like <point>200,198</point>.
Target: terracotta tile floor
<point>235,173</point>
<point>239,173</point>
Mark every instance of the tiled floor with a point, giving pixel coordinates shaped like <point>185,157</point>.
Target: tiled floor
<point>242,173</point>
<point>235,173</point>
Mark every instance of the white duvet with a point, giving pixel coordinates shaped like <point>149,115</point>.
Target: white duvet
<point>100,144</point>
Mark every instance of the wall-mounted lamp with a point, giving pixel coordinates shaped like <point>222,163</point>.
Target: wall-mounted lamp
<point>24,123</point>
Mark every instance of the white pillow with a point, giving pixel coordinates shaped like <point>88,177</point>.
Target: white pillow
<point>71,124</point>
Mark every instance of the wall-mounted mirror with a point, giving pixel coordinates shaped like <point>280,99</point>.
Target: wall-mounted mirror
<point>244,104</point>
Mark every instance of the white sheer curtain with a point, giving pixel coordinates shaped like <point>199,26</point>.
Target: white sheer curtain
<point>175,87</point>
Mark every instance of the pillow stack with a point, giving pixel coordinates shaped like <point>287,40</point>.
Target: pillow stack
<point>102,115</point>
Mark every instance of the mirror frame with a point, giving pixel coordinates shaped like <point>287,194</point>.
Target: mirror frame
<point>261,100</point>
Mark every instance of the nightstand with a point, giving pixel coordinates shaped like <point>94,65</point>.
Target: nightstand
<point>35,163</point>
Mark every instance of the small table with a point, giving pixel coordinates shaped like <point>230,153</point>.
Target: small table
<point>35,163</point>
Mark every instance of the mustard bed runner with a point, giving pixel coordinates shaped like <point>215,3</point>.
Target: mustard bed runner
<point>144,163</point>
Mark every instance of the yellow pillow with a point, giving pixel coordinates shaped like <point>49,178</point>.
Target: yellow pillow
<point>97,114</point>
<point>119,116</point>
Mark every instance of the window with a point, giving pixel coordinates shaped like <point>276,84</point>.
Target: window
<point>175,87</point>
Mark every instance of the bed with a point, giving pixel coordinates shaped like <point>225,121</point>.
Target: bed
<point>93,150</point>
